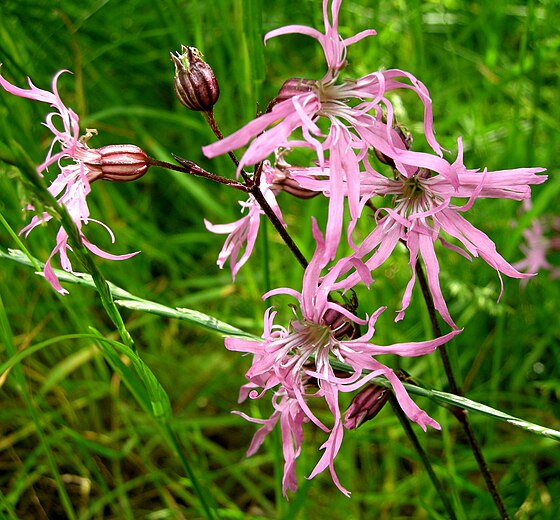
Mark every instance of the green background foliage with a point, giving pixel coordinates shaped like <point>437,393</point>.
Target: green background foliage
<point>78,438</point>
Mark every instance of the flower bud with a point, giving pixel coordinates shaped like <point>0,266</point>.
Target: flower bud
<point>194,83</point>
<point>280,176</point>
<point>341,326</point>
<point>402,134</point>
<point>365,406</point>
<point>117,162</point>
<point>293,187</point>
<point>293,87</point>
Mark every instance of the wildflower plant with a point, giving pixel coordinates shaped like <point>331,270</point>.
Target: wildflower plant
<point>335,139</point>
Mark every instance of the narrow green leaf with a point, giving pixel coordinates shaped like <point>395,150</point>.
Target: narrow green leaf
<point>133,302</point>
<point>140,380</point>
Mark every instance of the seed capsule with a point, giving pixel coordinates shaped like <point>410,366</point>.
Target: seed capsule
<point>194,83</point>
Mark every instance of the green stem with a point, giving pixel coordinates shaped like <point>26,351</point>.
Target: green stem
<point>210,512</point>
<point>422,453</point>
<point>19,242</point>
<point>460,413</point>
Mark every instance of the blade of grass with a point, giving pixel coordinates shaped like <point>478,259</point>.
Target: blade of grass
<point>7,337</point>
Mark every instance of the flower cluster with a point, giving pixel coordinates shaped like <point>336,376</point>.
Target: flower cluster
<point>358,151</point>
<point>79,166</point>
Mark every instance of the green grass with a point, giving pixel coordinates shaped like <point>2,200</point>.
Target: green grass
<point>80,436</point>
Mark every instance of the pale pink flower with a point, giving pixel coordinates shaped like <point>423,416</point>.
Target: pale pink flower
<point>291,416</point>
<point>292,361</point>
<point>242,234</point>
<point>79,166</point>
<point>334,46</point>
<point>422,212</point>
<point>359,117</point>
<point>541,239</point>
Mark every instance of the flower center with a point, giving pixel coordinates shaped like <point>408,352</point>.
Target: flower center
<point>412,187</point>
<point>312,338</point>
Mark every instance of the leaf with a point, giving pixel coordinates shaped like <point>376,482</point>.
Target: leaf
<point>130,301</point>
<point>139,379</point>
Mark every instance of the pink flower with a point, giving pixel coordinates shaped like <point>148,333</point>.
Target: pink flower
<point>422,213</point>
<point>333,45</point>
<point>359,117</point>
<point>291,416</point>
<point>243,232</point>
<point>541,239</point>
<point>293,361</point>
<point>79,166</point>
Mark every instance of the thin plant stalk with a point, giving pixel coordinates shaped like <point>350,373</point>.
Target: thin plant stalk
<point>423,455</point>
<point>253,188</point>
<point>460,413</point>
<point>209,511</point>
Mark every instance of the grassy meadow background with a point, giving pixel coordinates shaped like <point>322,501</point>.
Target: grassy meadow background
<point>74,440</point>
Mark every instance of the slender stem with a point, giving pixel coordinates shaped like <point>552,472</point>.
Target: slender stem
<point>460,413</point>
<point>193,169</point>
<point>423,455</point>
<point>211,120</point>
<point>252,186</point>
<point>265,206</point>
<point>453,385</point>
<point>209,509</point>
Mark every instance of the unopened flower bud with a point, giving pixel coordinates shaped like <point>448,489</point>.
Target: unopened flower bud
<point>281,177</point>
<point>282,180</point>
<point>339,324</point>
<point>403,135</point>
<point>293,87</point>
<point>365,406</point>
<point>118,162</point>
<point>194,83</point>
<point>293,187</point>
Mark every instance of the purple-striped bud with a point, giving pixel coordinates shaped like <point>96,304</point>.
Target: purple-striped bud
<point>194,83</point>
<point>118,163</point>
<point>293,187</point>
<point>365,406</point>
<point>283,181</point>
<point>341,326</point>
<point>293,87</point>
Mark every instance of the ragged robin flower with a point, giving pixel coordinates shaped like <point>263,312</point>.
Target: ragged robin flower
<point>420,208</point>
<point>357,113</point>
<point>79,166</point>
<point>295,363</point>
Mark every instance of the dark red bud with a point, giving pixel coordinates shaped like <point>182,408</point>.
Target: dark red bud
<point>194,83</point>
<point>292,187</point>
<point>340,324</point>
<point>365,406</point>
